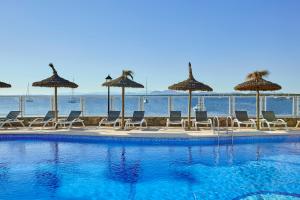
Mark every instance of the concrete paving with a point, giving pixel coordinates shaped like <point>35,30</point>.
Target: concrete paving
<point>160,132</point>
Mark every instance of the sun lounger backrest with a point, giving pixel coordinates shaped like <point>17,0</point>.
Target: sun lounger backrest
<point>113,116</point>
<point>13,115</point>
<point>50,115</point>
<point>242,116</point>
<point>269,116</point>
<point>73,115</point>
<point>201,116</point>
<point>175,115</point>
<point>138,116</point>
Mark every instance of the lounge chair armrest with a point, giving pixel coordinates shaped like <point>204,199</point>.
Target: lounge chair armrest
<point>103,120</point>
<point>263,120</point>
<point>36,120</point>
<point>281,120</point>
<point>230,117</point>
<point>77,120</point>
<point>252,120</point>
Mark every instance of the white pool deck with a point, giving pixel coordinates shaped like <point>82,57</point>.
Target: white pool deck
<point>159,132</point>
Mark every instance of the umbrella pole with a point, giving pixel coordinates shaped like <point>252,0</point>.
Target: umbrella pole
<point>257,110</point>
<point>189,113</point>
<point>123,108</point>
<point>55,104</point>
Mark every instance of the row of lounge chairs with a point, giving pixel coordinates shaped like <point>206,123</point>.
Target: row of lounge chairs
<point>113,118</point>
<point>175,118</point>
<point>241,118</point>
<point>12,118</point>
<point>269,119</point>
<point>74,117</point>
<point>201,118</point>
<point>138,119</point>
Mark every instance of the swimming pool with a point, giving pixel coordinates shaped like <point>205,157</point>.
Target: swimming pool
<point>63,167</point>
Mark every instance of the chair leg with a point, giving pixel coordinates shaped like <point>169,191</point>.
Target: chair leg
<point>298,123</point>
<point>22,124</point>
<point>269,126</point>
<point>286,127</point>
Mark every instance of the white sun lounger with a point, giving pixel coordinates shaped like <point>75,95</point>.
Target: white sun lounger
<point>202,119</point>
<point>175,119</point>
<point>74,117</point>
<point>11,118</point>
<point>137,119</point>
<point>270,119</point>
<point>241,118</point>
<point>49,118</point>
<point>112,119</point>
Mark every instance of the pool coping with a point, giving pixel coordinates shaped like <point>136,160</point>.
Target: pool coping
<point>161,134</point>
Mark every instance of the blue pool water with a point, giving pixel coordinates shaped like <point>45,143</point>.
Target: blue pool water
<point>62,168</point>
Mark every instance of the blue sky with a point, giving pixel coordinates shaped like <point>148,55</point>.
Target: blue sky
<point>86,40</point>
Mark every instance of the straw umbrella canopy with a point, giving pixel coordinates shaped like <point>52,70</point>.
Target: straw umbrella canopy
<point>190,85</point>
<point>124,82</point>
<point>55,81</point>
<point>4,85</point>
<point>255,82</point>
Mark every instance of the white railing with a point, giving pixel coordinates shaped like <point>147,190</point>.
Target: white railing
<point>222,105</point>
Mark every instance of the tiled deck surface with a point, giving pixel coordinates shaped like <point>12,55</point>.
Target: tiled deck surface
<point>160,132</point>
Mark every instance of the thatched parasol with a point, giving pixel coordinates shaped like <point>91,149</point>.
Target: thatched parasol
<point>255,82</point>
<point>124,82</point>
<point>55,81</point>
<point>190,85</point>
<point>4,85</point>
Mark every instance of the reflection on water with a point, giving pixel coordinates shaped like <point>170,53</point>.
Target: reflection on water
<point>59,170</point>
<point>122,170</point>
<point>47,176</point>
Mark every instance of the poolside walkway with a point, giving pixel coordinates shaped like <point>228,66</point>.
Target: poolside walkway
<point>160,132</point>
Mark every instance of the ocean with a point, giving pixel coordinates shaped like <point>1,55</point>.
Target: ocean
<point>96,105</point>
